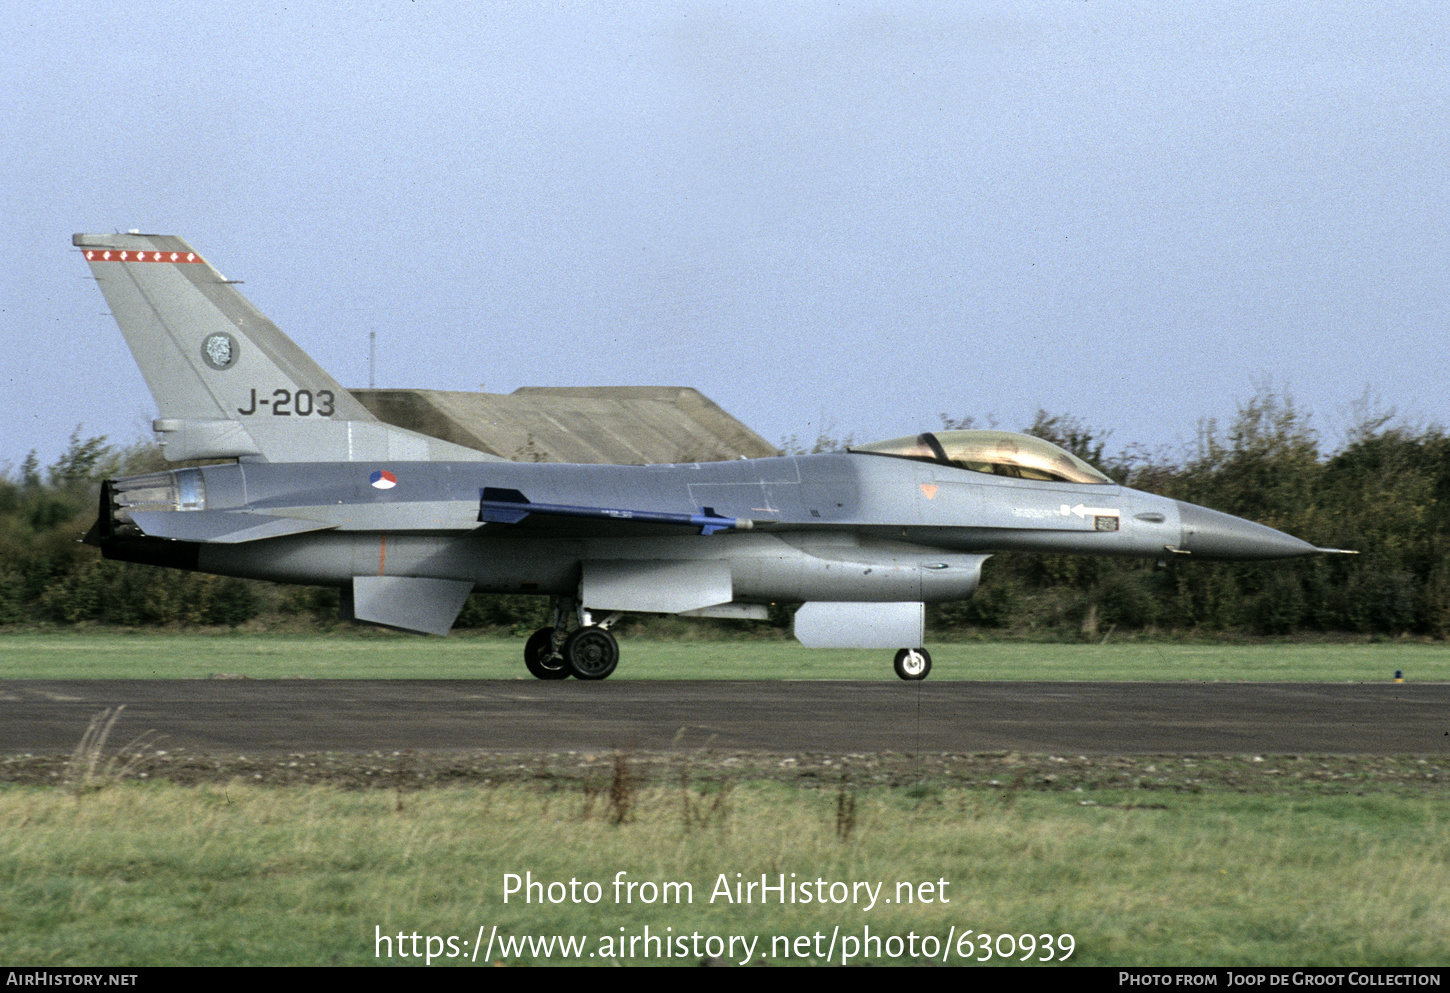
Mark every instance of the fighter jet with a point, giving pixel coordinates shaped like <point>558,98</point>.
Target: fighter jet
<point>407,526</point>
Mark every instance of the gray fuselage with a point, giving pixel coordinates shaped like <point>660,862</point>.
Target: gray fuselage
<point>845,526</point>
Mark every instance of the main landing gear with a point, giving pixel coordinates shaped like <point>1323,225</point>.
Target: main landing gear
<point>913,663</point>
<point>588,652</point>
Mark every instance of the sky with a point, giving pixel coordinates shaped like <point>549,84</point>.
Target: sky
<point>840,218</point>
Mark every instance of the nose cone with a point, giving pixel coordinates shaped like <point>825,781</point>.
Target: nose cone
<point>1212,535</point>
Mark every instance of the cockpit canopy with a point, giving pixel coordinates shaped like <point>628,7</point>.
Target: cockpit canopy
<point>1002,453</point>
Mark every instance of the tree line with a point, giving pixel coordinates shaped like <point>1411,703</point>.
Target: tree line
<point>1385,492</point>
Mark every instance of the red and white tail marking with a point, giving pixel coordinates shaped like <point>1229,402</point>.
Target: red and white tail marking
<point>116,255</point>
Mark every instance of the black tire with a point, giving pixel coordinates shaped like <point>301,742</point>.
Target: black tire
<point>591,653</point>
<point>913,663</point>
<point>540,658</point>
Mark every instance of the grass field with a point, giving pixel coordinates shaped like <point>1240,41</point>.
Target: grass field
<point>124,655</point>
<point>240,874</point>
<point>1150,861</point>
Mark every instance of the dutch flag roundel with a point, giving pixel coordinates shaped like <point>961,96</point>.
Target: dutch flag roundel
<point>383,480</point>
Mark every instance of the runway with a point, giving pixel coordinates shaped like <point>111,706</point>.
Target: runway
<point>281,716</point>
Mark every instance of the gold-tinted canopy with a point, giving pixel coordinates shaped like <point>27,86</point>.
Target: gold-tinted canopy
<point>1002,453</point>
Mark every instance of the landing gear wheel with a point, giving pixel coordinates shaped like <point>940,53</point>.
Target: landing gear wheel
<point>540,658</point>
<point>913,663</point>
<point>591,653</point>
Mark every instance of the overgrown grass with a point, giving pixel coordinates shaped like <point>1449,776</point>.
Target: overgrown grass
<point>120,655</point>
<point>160,874</point>
<point>89,767</point>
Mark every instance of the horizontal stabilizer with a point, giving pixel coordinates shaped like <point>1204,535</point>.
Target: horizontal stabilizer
<point>502,506</point>
<point>222,527</point>
<point>409,603</point>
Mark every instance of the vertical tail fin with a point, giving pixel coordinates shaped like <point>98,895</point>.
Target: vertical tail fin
<point>227,381</point>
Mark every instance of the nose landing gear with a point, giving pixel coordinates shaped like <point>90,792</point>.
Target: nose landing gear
<point>913,663</point>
